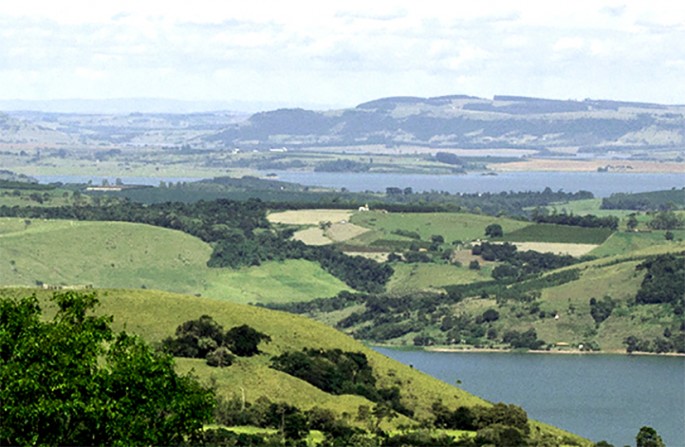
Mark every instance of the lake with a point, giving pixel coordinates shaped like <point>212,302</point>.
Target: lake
<point>600,397</point>
<point>600,184</point>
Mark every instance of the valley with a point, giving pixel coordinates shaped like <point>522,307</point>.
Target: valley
<point>361,259</point>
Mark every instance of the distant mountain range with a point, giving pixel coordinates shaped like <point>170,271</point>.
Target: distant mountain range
<point>468,122</point>
<point>457,121</point>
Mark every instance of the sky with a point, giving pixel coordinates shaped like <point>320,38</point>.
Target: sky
<point>341,53</point>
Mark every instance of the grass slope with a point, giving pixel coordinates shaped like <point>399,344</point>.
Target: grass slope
<point>616,277</point>
<point>452,226</point>
<point>412,277</point>
<point>155,315</point>
<point>125,255</point>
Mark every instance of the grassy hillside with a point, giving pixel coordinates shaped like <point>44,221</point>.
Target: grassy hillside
<point>412,277</point>
<point>125,255</point>
<point>155,315</point>
<point>452,226</point>
<point>557,306</point>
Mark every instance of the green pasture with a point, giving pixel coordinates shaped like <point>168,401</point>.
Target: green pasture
<point>414,277</point>
<point>585,207</point>
<point>126,255</point>
<point>626,242</point>
<point>28,197</point>
<point>451,226</point>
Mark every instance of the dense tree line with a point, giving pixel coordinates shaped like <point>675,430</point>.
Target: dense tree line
<point>666,220</point>
<point>358,272</point>
<point>209,221</point>
<point>646,201</point>
<point>519,264</point>
<point>394,198</point>
<point>664,281</point>
<point>586,221</point>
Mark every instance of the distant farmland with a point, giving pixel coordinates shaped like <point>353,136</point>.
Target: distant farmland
<point>558,234</point>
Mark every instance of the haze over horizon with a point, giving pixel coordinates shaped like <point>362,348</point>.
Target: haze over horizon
<point>320,55</point>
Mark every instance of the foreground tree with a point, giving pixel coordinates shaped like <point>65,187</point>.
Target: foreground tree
<point>72,381</point>
<point>648,437</point>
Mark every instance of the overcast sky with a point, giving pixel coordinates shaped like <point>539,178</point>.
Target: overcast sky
<point>341,53</point>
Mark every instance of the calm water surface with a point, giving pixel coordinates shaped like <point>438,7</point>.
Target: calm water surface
<point>600,184</point>
<point>600,397</point>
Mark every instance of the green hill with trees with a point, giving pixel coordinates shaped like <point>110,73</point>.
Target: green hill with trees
<point>127,255</point>
<point>258,382</point>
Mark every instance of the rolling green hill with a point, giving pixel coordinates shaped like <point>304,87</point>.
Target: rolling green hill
<point>452,226</point>
<point>155,315</point>
<point>585,306</point>
<point>125,255</point>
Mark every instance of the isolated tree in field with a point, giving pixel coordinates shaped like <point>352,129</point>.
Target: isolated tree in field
<point>494,230</point>
<point>244,340</point>
<point>632,222</point>
<point>72,381</point>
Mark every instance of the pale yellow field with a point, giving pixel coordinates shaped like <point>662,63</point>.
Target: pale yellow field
<point>552,247</point>
<point>309,217</point>
<point>337,232</point>
<point>312,236</point>
<point>377,256</point>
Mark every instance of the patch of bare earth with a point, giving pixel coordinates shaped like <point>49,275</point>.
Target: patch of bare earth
<point>309,217</point>
<point>312,236</point>
<point>558,248</point>
<point>337,232</point>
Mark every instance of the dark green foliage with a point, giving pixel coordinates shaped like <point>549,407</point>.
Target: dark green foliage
<point>489,316</point>
<point>664,281</point>
<point>666,220</point>
<point>506,272</point>
<point>601,310</point>
<point>220,357</point>
<point>501,424</point>
<point>587,221</point>
<point>244,340</point>
<point>494,230</point>
<point>648,437</point>
<point>526,340</point>
<point>333,371</point>
<point>204,338</point>
<point>519,264</point>
<point>338,372</point>
<point>448,158</point>
<point>645,201</point>
<point>72,381</point>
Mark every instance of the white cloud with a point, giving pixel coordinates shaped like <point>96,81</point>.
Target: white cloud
<point>347,52</point>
